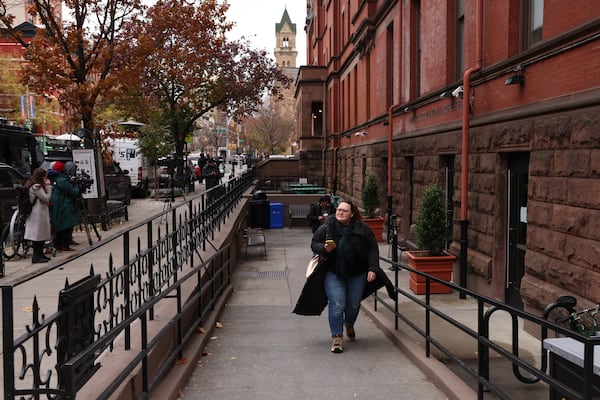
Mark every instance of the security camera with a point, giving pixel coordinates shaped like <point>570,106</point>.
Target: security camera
<point>458,92</point>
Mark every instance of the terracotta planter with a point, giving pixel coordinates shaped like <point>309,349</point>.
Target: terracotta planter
<point>438,266</point>
<point>376,225</point>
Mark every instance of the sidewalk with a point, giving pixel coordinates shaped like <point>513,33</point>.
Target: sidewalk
<point>264,351</point>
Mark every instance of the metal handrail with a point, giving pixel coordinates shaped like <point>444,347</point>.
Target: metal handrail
<point>150,273</point>
<point>486,308</point>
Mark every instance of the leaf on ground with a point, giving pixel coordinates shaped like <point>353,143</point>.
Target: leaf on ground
<point>27,309</point>
<point>180,393</point>
<point>218,325</point>
<point>200,329</point>
<point>181,361</point>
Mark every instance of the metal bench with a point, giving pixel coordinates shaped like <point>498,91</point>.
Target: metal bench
<point>298,212</point>
<point>405,243</point>
<point>255,237</point>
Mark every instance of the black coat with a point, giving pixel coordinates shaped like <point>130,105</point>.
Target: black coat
<point>357,250</point>
<point>312,300</point>
<point>315,211</point>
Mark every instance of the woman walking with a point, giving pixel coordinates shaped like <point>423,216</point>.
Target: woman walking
<point>37,224</point>
<point>352,260</point>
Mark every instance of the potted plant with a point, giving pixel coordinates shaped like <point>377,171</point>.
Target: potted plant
<point>370,203</point>
<point>432,236</point>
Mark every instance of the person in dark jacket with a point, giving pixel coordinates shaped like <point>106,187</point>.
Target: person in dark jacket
<point>351,260</point>
<point>319,212</point>
<point>212,178</point>
<point>63,207</point>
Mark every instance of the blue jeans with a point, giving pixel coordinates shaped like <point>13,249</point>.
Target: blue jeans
<point>344,297</point>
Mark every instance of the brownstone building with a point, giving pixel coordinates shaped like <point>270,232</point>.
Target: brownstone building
<point>497,100</point>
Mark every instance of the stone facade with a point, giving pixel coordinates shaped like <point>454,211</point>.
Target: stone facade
<point>380,101</point>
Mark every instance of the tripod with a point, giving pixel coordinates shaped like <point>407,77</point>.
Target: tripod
<point>84,217</point>
<point>174,182</point>
<point>170,199</point>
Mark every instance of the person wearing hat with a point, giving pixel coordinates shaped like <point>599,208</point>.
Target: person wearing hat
<point>319,212</point>
<point>63,210</point>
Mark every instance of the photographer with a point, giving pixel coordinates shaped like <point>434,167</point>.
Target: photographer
<point>212,177</point>
<point>63,208</point>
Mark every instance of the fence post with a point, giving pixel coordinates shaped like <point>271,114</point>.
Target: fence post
<point>75,331</point>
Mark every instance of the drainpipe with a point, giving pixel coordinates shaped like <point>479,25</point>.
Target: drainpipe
<point>390,165</point>
<point>335,149</point>
<point>464,173</point>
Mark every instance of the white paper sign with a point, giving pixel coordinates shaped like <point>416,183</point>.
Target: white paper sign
<point>84,159</point>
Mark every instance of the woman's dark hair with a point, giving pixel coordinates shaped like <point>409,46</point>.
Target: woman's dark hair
<point>37,176</point>
<point>353,210</point>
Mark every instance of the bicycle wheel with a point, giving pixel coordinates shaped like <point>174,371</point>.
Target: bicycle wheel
<point>21,245</point>
<point>8,244</point>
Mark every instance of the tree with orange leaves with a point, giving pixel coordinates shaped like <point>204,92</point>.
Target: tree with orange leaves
<point>74,56</point>
<point>181,65</point>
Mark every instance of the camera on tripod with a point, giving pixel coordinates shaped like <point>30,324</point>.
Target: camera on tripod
<point>82,180</point>
<point>170,162</point>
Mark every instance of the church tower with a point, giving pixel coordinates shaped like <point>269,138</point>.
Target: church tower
<point>285,35</point>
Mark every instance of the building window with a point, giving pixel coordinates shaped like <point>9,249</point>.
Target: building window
<point>415,43</point>
<point>389,72</point>
<point>317,118</point>
<point>533,20</point>
<point>285,42</point>
<point>459,63</point>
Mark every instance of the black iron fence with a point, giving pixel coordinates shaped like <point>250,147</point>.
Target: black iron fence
<point>571,377</point>
<point>159,263</point>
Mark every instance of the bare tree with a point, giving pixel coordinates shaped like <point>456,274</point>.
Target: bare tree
<point>272,127</point>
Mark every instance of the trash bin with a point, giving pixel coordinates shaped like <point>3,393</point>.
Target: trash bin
<point>276,215</point>
<point>566,365</point>
<point>259,210</point>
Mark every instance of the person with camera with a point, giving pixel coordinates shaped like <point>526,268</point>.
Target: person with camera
<point>63,205</point>
<point>212,176</point>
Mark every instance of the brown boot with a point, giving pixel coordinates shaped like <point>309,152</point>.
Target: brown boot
<point>337,344</point>
<point>350,333</point>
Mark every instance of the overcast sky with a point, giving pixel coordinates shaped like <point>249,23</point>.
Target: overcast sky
<point>256,21</point>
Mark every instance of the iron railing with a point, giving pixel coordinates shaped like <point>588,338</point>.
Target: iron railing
<point>53,354</point>
<point>487,308</point>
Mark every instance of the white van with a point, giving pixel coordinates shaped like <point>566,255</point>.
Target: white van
<point>143,175</point>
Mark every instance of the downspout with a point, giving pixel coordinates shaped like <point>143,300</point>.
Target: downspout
<point>464,173</point>
<point>335,149</point>
<point>390,165</point>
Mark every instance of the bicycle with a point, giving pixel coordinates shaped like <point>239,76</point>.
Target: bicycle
<point>14,244</point>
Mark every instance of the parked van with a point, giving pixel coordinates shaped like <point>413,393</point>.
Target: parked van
<point>143,175</point>
<point>20,153</point>
<point>19,148</point>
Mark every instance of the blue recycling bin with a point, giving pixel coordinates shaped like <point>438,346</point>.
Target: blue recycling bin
<point>276,216</point>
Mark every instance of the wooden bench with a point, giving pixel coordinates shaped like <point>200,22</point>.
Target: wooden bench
<point>299,212</point>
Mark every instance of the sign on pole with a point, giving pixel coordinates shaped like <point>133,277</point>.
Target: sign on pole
<point>84,159</point>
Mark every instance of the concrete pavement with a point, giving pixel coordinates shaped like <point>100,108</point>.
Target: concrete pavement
<point>263,351</point>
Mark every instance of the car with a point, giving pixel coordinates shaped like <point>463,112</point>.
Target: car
<point>10,181</point>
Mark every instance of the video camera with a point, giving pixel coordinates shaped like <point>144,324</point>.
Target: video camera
<point>170,162</point>
<point>82,180</point>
